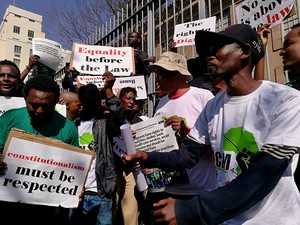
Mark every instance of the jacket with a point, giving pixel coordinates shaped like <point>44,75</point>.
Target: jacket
<point>105,127</point>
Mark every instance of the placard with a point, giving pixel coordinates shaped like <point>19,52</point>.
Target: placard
<point>96,60</point>
<point>49,52</point>
<point>256,13</point>
<point>137,82</point>
<point>184,34</point>
<point>43,171</point>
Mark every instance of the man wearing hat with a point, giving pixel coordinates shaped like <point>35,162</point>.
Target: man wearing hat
<point>181,107</point>
<point>252,134</point>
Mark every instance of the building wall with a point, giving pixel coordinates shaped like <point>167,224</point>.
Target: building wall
<point>9,40</point>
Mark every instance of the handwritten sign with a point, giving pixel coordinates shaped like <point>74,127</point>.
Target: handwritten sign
<point>49,52</point>
<point>137,82</point>
<point>43,171</point>
<point>184,34</point>
<point>256,13</point>
<point>96,60</point>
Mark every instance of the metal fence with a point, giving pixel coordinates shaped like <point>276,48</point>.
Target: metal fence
<point>155,21</point>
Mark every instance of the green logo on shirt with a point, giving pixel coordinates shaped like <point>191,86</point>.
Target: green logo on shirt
<point>243,144</point>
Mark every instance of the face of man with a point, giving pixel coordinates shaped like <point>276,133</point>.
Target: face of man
<point>9,80</point>
<point>224,60</point>
<point>40,106</point>
<point>74,107</point>
<point>290,52</point>
<point>165,82</point>
<point>133,39</point>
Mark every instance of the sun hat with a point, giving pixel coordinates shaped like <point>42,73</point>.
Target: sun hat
<point>238,33</point>
<point>173,62</point>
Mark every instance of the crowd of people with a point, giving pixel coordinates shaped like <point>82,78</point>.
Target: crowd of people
<point>237,136</point>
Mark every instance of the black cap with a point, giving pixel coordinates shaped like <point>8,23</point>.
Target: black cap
<point>238,33</point>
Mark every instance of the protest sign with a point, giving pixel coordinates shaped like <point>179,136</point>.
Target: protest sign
<point>137,82</point>
<point>7,103</point>
<point>96,60</point>
<point>152,135</point>
<point>49,52</point>
<point>184,34</point>
<point>257,12</point>
<point>43,171</point>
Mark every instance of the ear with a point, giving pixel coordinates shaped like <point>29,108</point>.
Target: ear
<point>67,105</point>
<point>246,51</point>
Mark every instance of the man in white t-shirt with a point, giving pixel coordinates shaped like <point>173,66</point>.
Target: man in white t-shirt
<point>253,130</point>
<point>181,107</point>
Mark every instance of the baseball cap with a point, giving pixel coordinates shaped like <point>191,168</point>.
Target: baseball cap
<point>173,62</point>
<point>238,33</point>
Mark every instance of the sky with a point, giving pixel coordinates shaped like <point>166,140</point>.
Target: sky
<point>37,6</point>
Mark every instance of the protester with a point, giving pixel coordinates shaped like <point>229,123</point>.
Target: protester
<point>73,105</point>
<point>33,60</point>
<point>126,210</point>
<point>69,81</point>
<point>291,62</point>
<point>263,34</point>
<point>140,57</point>
<point>181,107</point>
<point>142,61</point>
<point>9,79</point>
<point>96,130</point>
<point>41,94</point>
<point>254,140</point>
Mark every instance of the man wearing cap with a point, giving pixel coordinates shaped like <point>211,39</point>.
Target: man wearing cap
<point>254,139</point>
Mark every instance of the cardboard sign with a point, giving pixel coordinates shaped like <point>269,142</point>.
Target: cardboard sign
<point>256,12</point>
<point>184,34</point>
<point>96,60</point>
<point>137,82</point>
<point>43,171</point>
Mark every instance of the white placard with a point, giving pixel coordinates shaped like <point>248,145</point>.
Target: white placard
<point>256,12</point>
<point>184,34</point>
<point>152,135</point>
<point>49,52</point>
<point>137,82</point>
<point>95,59</point>
<point>43,171</point>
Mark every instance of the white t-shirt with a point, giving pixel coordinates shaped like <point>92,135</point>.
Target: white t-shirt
<point>86,139</point>
<point>237,127</point>
<point>189,106</point>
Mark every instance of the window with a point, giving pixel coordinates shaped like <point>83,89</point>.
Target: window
<point>16,15</point>
<point>16,30</point>
<point>17,49</point>
<point>30,33</point>
<point>17,62</point>
<point>31,20</point>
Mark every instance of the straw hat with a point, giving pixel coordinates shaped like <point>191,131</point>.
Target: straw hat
<point>173,62</point>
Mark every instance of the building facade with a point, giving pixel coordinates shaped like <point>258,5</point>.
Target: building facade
<point>17,29</point>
